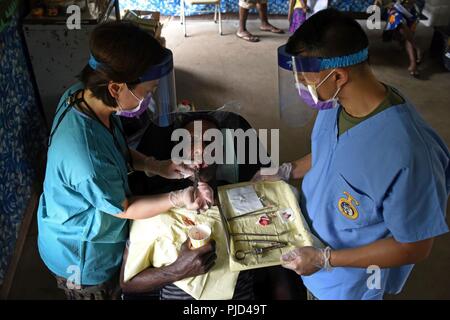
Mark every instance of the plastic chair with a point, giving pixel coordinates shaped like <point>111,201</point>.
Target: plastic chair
<point>217,13</point>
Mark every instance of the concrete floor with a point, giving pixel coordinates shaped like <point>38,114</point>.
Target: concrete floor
<point>212,70</point>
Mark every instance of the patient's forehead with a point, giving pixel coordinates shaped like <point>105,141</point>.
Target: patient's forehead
<point>206,124</point>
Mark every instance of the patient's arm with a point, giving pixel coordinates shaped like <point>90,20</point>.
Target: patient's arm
<point>190,263</point>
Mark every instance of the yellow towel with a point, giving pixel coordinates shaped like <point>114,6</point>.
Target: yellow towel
<point>157,241</point>
<point>295,232</point>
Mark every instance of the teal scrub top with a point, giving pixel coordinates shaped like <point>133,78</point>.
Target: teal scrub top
<point>389,176</point>
<point>85,185</point>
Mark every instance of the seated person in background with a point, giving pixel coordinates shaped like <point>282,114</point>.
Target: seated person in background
<point>190,262</point>
<point>402,19</point>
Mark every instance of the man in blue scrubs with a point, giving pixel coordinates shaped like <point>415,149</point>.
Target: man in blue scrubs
<point>377,180</point>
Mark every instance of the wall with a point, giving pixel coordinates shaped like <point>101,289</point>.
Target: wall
<point>22,138</point>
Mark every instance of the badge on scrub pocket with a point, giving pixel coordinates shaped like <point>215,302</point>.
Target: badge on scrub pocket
<point>286,215</point>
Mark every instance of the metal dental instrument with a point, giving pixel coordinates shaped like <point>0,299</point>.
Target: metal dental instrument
<point>241,254</point>
<point>196,180</point>
<point>262,241</point>
<point>259,211</point>
<point>237,234</point>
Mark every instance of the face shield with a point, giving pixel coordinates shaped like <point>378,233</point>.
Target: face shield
<point>156,107</point>
<point>293,111</point>
<point>162,102</point>
<point>299,77</point>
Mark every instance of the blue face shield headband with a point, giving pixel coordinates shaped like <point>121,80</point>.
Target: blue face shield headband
<point>317,64</point>
<point>154,72</point>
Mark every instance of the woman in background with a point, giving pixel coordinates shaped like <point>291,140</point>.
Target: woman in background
<point>402,19</point>
<point>297,14</point>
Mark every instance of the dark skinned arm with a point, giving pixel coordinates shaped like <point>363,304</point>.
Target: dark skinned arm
<point>190,263</point>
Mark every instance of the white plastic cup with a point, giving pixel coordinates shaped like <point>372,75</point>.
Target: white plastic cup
<point>199,235</point>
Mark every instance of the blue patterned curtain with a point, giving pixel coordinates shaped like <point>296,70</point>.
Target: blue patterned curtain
<point>22,138</point>
<point>172,7</point>
<point>351,5</point>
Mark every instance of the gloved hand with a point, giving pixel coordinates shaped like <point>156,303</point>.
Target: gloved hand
<point>167,169</point>
<point>284,173</point>
<point>186,198</point>
<point>307,260</point>
<point>206,194</point>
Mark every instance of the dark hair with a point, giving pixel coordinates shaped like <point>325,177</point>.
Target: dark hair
<point>328,33</point>
<point>125,52</point>
<point>197,116</point>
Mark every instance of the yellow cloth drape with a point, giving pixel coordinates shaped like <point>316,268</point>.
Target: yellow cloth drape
<point>157,241</point>
<point>295,232</point>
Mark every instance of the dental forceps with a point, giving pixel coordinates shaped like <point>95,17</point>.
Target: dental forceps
<point>241,254</point>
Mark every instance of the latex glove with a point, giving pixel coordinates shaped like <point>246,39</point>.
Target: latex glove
<point>284,173</point>
<point>307,260</point>
<point>206,194</point>
<point>167,169</point>
<point>187,198</point>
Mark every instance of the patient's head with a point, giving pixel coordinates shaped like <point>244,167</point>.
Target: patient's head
<point>198,144</point>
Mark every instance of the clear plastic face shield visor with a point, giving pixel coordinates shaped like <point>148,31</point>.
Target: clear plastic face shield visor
<point>297,73</point>
<point>162,102</point>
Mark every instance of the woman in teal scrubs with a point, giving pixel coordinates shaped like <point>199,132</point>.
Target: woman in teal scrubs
<point>86,203</point>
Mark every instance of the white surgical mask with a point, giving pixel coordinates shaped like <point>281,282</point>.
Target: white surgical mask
<point>138,110</point>
<point>310,96</point>
<point>313,89</point>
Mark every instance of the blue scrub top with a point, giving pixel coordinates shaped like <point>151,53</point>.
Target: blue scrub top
<point>389,176</point>
<point>85,186</point>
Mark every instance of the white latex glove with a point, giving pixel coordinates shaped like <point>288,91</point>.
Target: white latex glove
<point>167,169</point>
<point>284,173</point>
<point>206,194</point>
<point>187,198</point>
<point>307,260</point>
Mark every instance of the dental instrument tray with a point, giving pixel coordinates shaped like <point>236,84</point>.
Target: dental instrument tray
<point>262,221</point>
